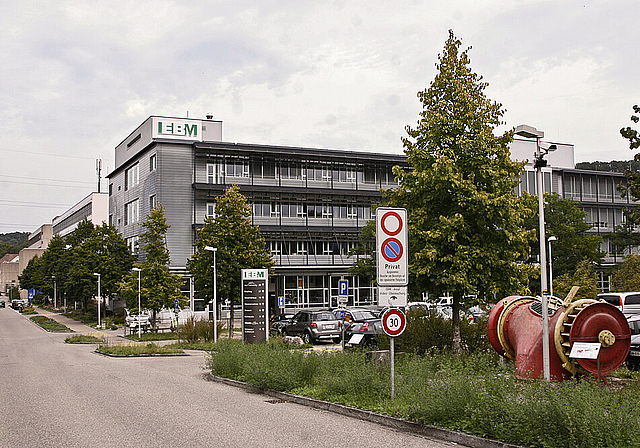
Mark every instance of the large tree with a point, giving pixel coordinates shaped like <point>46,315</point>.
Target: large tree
<point>238,243</point>
<point>158,286</point>
<point>633,177</point>
<point>465,219</point>
<point>584,276</point>
<point>627,275</point>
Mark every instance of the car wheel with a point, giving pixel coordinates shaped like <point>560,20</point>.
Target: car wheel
<point>307,339</point>
<point>337,340</point>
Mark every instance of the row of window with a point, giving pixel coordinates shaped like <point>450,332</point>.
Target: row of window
<point>132,174</point>
<point>303,210</point>
<point>269,170</point>
<point>310,247</point>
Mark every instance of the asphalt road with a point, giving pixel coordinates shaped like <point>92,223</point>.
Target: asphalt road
<point>54,394</point>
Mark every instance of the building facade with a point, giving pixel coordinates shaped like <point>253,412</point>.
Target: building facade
<point>310,204</point>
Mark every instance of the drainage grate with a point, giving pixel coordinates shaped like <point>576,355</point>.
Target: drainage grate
<point>276,401</point>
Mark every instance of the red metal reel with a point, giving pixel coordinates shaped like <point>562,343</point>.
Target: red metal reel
<point>492,323</point>
<point>587,327</point>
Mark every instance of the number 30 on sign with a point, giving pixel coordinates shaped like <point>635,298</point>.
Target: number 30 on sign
<point>394,322</point>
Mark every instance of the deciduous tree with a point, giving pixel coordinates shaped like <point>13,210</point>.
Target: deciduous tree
<point>465,220</point>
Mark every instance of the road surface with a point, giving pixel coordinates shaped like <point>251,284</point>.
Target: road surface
<point>54,394</point>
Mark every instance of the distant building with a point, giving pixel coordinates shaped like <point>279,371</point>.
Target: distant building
<point>94,208</point>
<point>9,270</point>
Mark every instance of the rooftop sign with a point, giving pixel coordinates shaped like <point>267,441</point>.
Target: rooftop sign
<point>178,129</point>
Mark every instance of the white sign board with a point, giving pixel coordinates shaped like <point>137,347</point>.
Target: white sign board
<point>391,247</point>
<point>176,129</point>
<point>394,296</point>
<point>585,350</point>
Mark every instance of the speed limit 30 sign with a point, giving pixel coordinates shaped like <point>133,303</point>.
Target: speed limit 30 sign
<point>393,322</point>
<point>391,246</point>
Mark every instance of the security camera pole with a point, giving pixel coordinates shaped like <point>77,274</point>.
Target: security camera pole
<point>539,162</point>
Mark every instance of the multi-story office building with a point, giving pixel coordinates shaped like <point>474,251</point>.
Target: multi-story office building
<point>309,203</point>
<point>596,192</point>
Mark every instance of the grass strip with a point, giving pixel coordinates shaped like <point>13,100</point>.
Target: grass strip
<point>473,394</point>
<point>50,324</point>
<point>82,339</point>
<point>153,336</point>
<point>137,350</point>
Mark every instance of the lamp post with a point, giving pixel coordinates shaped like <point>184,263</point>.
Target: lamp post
<point>549,240</point>
<point>55,292</point>
<point>138,270</point>
<point>215,298</point>
<point>99,298</point>
<point>539,162</point>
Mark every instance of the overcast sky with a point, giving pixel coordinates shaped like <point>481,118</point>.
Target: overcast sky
<point>76,77</point>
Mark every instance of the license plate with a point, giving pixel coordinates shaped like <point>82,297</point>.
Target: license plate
<point>634,352</point>
<point>328,326</point>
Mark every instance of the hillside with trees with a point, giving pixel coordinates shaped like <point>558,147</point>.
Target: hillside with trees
<point>11,243</point>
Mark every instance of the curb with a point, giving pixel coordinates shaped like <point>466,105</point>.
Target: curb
<point>397,423</point>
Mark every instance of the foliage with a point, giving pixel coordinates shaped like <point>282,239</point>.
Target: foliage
<point>429,331</point>
<point>471,393</point>
<point>238,243</point>
<point>627,276</point>
<point>365,266</point>
<point>73,260</point>
<point>195,329</point>
<point>137,349</point>
<point>615,166</point>
<point>11,243</point>
<point>465,219</point>
<point>50,324</point>
<point>585,276</point>
<point>158,286</point>
<point>633,177</point>
<point>28,310</point>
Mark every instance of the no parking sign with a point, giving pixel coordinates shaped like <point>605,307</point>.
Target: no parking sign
<point>391,244</point>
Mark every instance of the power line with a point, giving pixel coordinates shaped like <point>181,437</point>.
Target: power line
<point>51,185</point>
<point>32,204</point>
<point>46,154</point>
<point>53,180</point>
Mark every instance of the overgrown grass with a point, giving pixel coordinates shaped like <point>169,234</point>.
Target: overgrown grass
<point>83,339</point>
<point>154,336</point>
<point>28,310</point>
<point>137,349</point>
<point>50,324</point>
<point>471,394</point>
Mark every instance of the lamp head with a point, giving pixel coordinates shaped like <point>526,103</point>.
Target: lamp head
<point>136,269</point>
<point>210,249</point>
<point>95,273</point>
<point>552,238</point>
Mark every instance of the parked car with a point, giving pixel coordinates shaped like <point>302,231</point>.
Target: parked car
<point>627,302</point>
<point>633,358</point>
<point>278,322</point>
<point>2,304</point>
<point>313,326</point>
<point>363,323</point>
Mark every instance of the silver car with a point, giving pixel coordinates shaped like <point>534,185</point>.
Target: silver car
<point>313,326</point>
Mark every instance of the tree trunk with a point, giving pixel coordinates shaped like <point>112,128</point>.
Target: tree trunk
<point>455,324</point>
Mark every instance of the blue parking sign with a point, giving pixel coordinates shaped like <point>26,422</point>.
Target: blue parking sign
<point>343,287</point>
<point>281,301</point>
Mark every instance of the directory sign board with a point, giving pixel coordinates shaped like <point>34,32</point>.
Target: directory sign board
<point>391,246</point>
<point>255,306</point>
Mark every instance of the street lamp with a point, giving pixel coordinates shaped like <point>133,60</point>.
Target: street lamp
<point>215,298</point>
<point>55,292</point>
<point>549,240</point>
<point>530,132</point>
<point>138,270</point>
<point>99,298</point>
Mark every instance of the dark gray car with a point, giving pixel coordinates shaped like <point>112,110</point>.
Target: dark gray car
<point>313,326</point>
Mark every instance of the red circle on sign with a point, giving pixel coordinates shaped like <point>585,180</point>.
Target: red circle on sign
<point>395,250</point>
<point>394,322</point>
<point>384,228</point>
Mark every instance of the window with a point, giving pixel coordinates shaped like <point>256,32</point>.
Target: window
<point>153,162</point>
<point>131,212</point>
<point>133,244</point>
<point>152,202</point>
<point>211,210</point>
<point>214,173</point>
<point>111,219</point>
<point>110,189</point>
<point>237,168</point>
<point>131,177</point>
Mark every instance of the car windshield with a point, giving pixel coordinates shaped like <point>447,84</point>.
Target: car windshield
<point>363,315</point>
<point>324,316</point>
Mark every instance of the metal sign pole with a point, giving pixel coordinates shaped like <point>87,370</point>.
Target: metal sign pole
<point>392,354</point>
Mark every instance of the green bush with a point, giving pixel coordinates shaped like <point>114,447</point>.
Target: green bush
<point>198,330</point>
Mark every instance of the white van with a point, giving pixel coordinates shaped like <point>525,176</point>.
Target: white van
<point>627,302</point>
